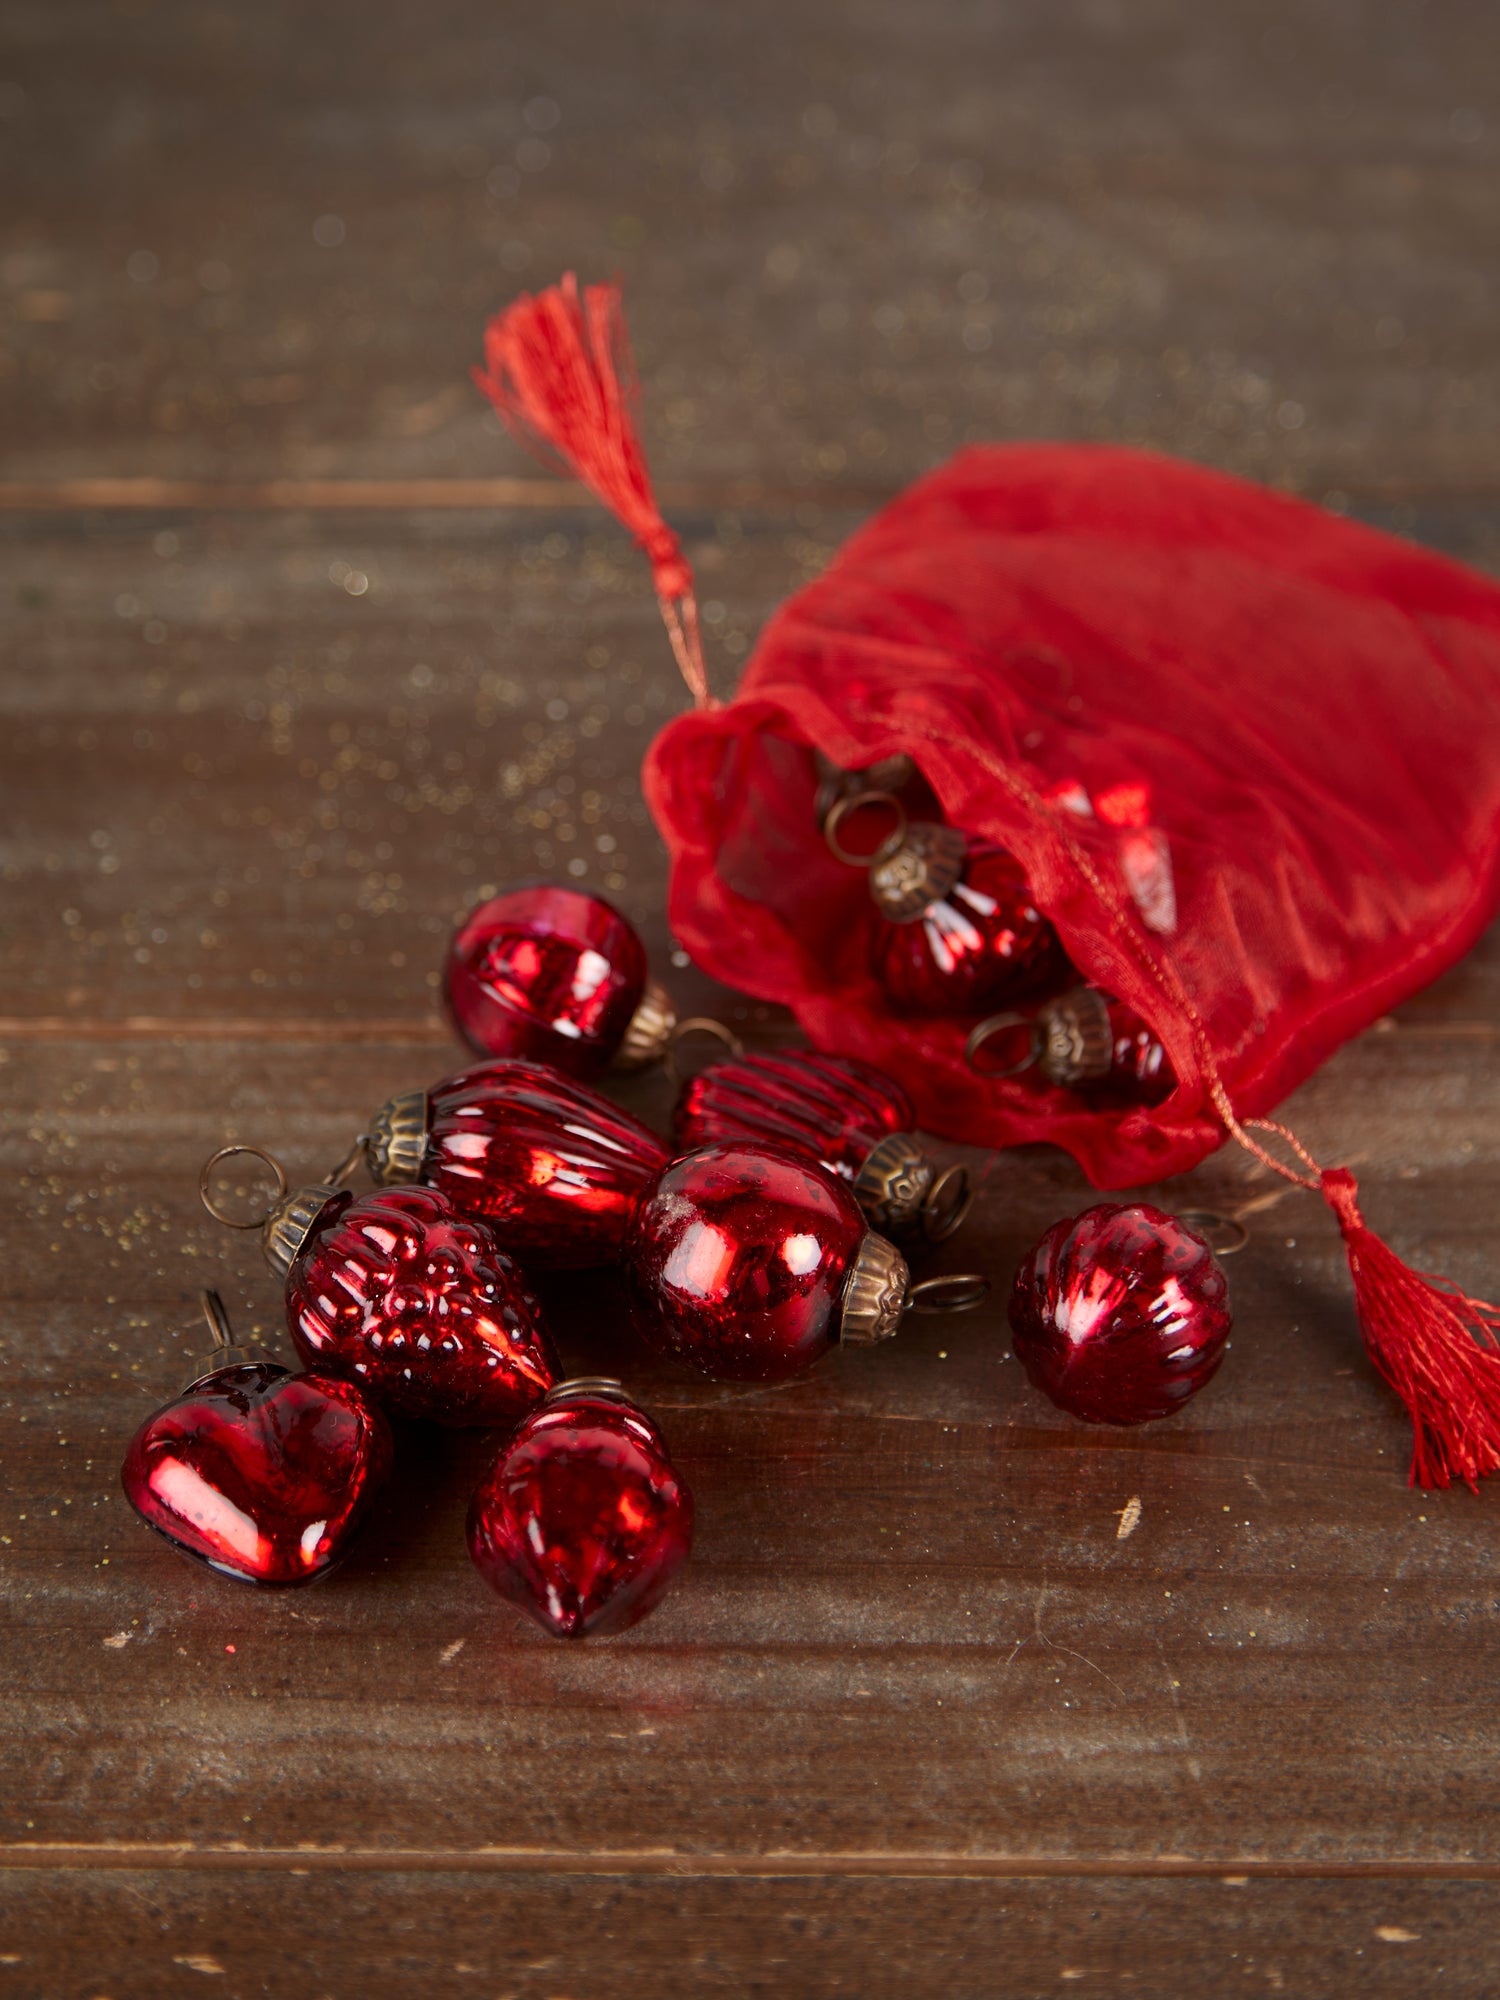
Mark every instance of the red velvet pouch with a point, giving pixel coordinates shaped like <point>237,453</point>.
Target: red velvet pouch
<point>1247,752</point>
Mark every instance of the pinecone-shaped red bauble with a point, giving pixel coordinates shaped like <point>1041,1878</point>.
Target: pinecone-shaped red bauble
<point>581,1519</point>
<point>1120,1314</point>
<point>957,931</point>
<point>1084,1041</point>
<point>843,1113</point>
<point>262,1474</point>
<point>749,1263</point>
<point>551,1167</point>
<point>559,976</point>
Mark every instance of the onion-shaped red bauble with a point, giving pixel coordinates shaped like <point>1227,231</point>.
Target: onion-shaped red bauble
<point>553,974</point>
<point>416,1303</point>
<point>1120,1314</point>
<point>740,1260</point>
<point>261,1474</point>
<point>551,1167</point>
<point>581,1520</point>
<point>981,944</point>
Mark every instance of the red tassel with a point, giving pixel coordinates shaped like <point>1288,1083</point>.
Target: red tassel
<point>1433,1345</point>
<point>558,369</point>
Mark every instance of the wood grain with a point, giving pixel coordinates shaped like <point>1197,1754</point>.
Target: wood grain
<point>301,654</point>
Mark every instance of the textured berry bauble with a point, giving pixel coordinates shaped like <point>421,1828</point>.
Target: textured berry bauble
<point>581,1520</point>
<point>981,944</point>
<point>551,1167</point>
<point>1120,1314</point>
<point>261,1474</point>
<point>548,973</point>
<point>419,1305</point>
<point>738,1260</point>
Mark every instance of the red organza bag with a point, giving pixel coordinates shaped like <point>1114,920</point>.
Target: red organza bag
<point>1089,654</point>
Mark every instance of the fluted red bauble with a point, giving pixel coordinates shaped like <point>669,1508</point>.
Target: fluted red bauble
<point>736,1261</point>
<point>421,1307</point>
<point>551,1167</point>
<point>581,1519</point>
<point>550,973</point>
<point>1120,1314</point>
<point>261,1474</point>
<point>983,945</point>
<point>833,1109</point>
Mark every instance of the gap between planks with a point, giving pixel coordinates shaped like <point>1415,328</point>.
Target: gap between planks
<point>551,495</point>
<point>145,1855</point>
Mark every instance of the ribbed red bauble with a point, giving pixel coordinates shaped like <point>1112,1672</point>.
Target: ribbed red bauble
<point>551,1167</point>
<point>849,1117</point>
<point>1120,1314</point>
<point>581,1520</point>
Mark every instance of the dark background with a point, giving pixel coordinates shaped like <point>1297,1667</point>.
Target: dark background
<point>301,653</point>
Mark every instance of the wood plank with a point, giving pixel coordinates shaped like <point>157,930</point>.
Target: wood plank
<point>165,1935</point>
<point>853,237</point>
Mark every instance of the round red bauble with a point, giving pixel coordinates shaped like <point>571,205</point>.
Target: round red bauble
<point>982,945</point>
<point>420,1306</point>
<point>545,972</point>
<point>581,1519</point>
<point>1120,1314</point>
<point>736,1261</point>
<point>261,1474</point>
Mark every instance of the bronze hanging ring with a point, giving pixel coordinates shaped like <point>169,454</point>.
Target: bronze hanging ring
<point>1205,1222</point>
<point>697,1024</point>
<point>995,1025</point>
<point>205,1185</point>
<point>856,802</point>
<point>948,1202</point>
<point>217,1315</point>
<point>349,1162</point>
<point>955,1294</point>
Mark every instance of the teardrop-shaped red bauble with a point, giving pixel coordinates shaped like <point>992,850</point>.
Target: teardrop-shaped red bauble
<point>582,1520</point>
<point>261,1474</point>
<point>983,945</point>
<point>737,1258</point>
<point>421,1307</point>
<point>550,973</point>
<point>1120,1314</point>
<point>550,1166</point>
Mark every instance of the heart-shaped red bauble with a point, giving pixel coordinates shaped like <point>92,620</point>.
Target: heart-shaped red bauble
<point>421,1307</point>
<point>1120,1314</point>
<point>581,1520</point>
<point>261,1474</point>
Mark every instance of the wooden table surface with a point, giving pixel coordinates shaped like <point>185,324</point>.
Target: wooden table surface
<point>301,654</point>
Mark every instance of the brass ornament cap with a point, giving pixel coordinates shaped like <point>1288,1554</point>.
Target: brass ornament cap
<point>918,870</point>
<point>289,1225</point>
<point>874,1293</point>
<point>649,1033</point>
<point>398,1138</point>
<point>893,1184</point>
<point>1077,1042</point>
<point>891,774</point>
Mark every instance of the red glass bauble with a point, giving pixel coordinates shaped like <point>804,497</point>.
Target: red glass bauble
<point>1120,1314</point>
<point>550,973</point>
<point>1139,1069</point>
<point>551,1167</point>
<point>419,1305</point>
<point>982,945</point>
<point>833,1109</point>
<point>581,1520</point>
<point>261,1474</point>
<point>736,1261</point>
